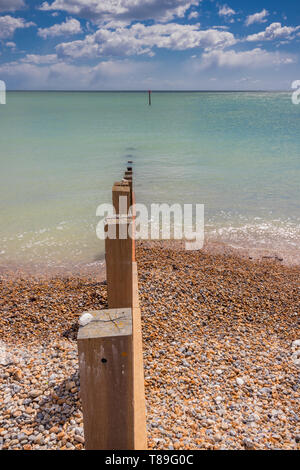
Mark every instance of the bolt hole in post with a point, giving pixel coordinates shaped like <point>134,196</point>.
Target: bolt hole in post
<point>103,360</point>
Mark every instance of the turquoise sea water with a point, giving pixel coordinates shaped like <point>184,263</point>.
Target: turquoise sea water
<point>237,153</point>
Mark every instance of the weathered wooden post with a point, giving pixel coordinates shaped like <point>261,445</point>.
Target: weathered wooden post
<point>121,189</point>
<point>110,346</point>
<point>105,351</point>
<point>118,256</point>
<point>139,401</point>
<point>129,179</point>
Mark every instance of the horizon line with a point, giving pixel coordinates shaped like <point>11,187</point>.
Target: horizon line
<point>153,91</point>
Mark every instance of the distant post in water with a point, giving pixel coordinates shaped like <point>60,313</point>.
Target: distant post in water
<point>149,93</point>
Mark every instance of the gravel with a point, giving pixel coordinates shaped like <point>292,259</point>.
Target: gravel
<point>238,320</point>
<point>221,345</point>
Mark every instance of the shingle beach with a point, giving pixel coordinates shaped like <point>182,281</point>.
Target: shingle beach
<point>221,353</point>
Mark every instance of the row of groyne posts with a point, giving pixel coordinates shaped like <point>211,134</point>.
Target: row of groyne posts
<point>110,346</point>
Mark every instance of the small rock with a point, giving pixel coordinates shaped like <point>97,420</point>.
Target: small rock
<point>240,381</point>
<point>217,437</point>
<point>35,393</point>
<point>248,443</point>
<point>79,431</point>
<point>85,319</point>
<point>70,385</point>
<point>54,429</point>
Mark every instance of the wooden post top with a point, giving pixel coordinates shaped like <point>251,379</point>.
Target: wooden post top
<point>107,324</point>
<point>123,184</point>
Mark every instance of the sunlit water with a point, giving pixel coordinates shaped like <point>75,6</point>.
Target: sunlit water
<point>237,153</point>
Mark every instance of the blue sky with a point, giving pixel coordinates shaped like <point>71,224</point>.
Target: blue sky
<point>149,44</point>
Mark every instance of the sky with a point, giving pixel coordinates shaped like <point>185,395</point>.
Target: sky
<point>149,44</point>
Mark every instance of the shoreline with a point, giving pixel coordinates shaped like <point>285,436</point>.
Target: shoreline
<point>96,269</point>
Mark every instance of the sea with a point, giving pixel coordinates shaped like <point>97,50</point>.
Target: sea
<point>237,153</point>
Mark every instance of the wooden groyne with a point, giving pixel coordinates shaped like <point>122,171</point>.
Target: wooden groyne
<point>110,346</point>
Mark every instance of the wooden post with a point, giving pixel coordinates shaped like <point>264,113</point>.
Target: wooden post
<point>129,179</point>
<point>106,380</point>
<point>133,225</point>
<point>121,189</point>
<point>139,401</point>
<point>118,254</point>
<point>110,346</point>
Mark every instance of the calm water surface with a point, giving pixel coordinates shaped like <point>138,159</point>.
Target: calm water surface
<point>237,153</point>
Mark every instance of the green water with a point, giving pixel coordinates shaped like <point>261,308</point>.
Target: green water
<point>237,153</point>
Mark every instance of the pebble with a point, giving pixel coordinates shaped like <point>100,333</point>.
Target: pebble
<point>248,443</point>
<point>240,381</point>
<point>35,393</point>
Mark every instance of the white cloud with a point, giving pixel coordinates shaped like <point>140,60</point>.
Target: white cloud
<point>257,17</point>
<point>59,75</point>
<point>225,10</point>
<point>274,31</point>
<point>253,58</point>
<point>141,39</point>
<point>193,14</point>
<point>11,44</point>
<point>40,59</point>
<point>11,5</point>
<point>220,27</point>
<point>140,75</point>
<point>106,10</point>
<point>9,24</point>
<point>69,27</point>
